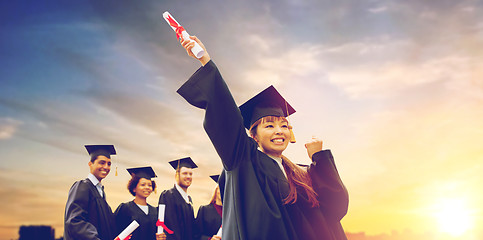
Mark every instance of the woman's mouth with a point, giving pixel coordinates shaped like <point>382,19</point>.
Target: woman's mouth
<point>278,140</point>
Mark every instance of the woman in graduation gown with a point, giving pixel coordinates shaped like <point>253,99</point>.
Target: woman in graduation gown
<point>265,195</point>
<point>140,186</point>
<point>208,219</point>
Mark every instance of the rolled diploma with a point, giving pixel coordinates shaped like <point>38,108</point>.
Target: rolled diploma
<point>162,207</point>
<point>127,231</point>
<point>197,50</point>
<point>218,233</point>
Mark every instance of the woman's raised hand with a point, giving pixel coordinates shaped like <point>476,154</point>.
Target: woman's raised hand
<point>315,145</point>
<point>188,45</point>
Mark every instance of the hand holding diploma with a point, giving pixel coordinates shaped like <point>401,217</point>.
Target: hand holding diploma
<point>197,50</point>
<point>125,234</point>
<point>161,236</point>
<point>160,223</point>
<point>188,45</point>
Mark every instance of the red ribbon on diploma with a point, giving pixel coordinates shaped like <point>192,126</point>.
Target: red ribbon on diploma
<point>178,28</point>
<point>159,223</point>
<point>127,238</point>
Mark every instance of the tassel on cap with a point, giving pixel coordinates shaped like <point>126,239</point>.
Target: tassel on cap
<point>292,136</point>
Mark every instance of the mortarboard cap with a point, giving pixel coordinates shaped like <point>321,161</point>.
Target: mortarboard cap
<point>269,102</point>
<point>183,162</point>
<point>100,150</point>
<point>142,172</point>
<point>215,177</point>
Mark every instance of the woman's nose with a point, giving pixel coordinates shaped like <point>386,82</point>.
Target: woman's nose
<point>278,129</point>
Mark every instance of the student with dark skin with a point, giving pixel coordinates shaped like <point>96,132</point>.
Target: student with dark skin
<point>87,213</point>
<point>265,195</point>
<point>140,186</point>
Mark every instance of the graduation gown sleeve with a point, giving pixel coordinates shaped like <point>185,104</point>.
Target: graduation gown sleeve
<point>332,194</point>
<point>178,216</point>
<point>251,177</point>
<point>123,217</point>
<point>254,185</point>
<point>127,212</point>
<point>87,214</point>
<point>77,225</point>
<point>223,123</point>
<point>208,221</point>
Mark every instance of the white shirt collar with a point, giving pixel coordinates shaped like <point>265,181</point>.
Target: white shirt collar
<point>93,179</point>
<point>96,183</point>
<point>279,162</point>
<point>183,193</point>
<point>144,208</point>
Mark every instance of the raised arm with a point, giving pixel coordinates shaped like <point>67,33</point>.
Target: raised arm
<point>315,145</point>
<point>332,194</point>
<point>223,121</point>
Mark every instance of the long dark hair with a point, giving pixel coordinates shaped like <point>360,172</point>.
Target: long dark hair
<point>296,176</point>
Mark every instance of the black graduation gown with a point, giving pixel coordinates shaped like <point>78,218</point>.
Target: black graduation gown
<point>178,216</point>
<point>127,212</point>
<point>255,186</point>
<point>208,221</point>
<point>87,214</point>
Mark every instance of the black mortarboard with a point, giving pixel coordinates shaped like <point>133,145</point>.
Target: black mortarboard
<point>215,177</point>
<point>142,172</point>
<point>183,162</point>
<point>269,102</point>
<point>100,150</point>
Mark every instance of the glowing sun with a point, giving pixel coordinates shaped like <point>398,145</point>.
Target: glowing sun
<point>454,216</point>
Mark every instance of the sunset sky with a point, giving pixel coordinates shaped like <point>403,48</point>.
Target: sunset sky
<point>393,88</point>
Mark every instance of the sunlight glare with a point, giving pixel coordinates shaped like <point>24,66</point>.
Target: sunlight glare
<point>454,216</point>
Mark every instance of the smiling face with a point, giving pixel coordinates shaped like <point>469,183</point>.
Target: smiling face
<point>144,188</point>
<point>184,177</point>
<point>272,135</point>
<point>100,167</point>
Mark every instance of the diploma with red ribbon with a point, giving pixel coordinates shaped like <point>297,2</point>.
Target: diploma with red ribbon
<point>160,222</point>
<point>125,234</point>
<point>197,50</point>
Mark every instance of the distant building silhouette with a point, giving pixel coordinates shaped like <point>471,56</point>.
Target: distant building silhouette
<point>36,233</point>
